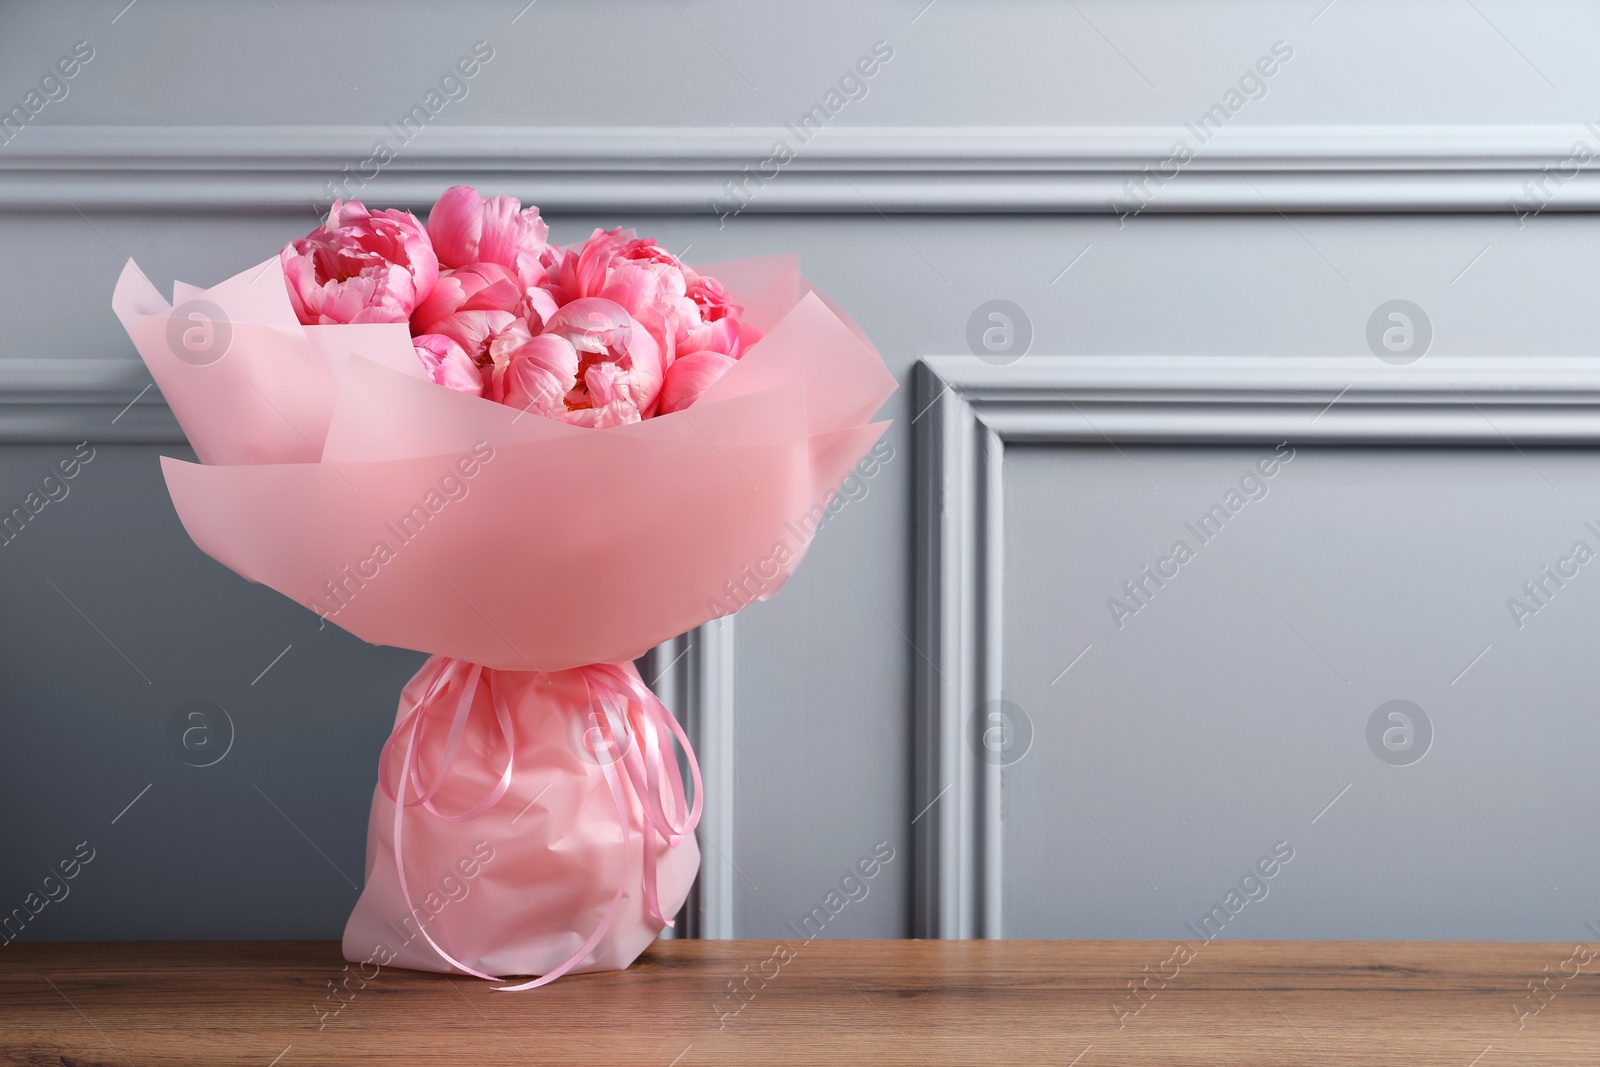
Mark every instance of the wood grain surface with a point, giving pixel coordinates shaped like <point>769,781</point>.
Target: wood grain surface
<point>1281,1003</point>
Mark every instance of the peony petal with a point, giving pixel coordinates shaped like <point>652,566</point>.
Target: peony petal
<point>542,303</point>
<point>508,231</point>
<point>467,229</point>
<point>534,373</point>
<point>690,376</point>
<point>455,225</point>
<point>448,363</point>
<point>448,295</point>
<point>592,324</point>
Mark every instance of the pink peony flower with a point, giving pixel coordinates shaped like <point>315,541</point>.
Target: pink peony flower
<point>719,327</point>
<point>360,266</point>
<point>448,363</point>
<point>534,373</point>
<point>472,306</point>
<point>689,376</point>
<point>641,277</point>
<point>620,365</point>
<point>581,270</point>
<point>466,228</point>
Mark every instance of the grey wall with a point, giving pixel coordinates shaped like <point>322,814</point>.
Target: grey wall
<point>1174,754</point>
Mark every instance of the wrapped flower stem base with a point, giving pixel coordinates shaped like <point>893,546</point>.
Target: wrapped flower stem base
<point>525,823</point>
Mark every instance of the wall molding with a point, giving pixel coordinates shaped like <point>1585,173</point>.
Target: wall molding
<point>842,169</point>
<point>971,410</point>
<point>68,400</point>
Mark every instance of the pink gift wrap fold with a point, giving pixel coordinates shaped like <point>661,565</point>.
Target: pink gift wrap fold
<point>535,560</point>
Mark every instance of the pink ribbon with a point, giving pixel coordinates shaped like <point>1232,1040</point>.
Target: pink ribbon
<point>622,699</point>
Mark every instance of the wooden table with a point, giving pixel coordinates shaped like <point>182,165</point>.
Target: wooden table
<point>879,1002</point>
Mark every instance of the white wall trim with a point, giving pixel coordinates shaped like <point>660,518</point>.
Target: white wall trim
<point>69,400</point>
<point>972,410</point>
<point>842,169</point>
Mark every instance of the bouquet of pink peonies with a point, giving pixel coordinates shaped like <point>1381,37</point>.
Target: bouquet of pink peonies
<point>617,439</point>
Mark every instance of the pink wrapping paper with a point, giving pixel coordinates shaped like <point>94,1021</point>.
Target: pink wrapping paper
<point>413,515</point>
<point>768,443</point>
